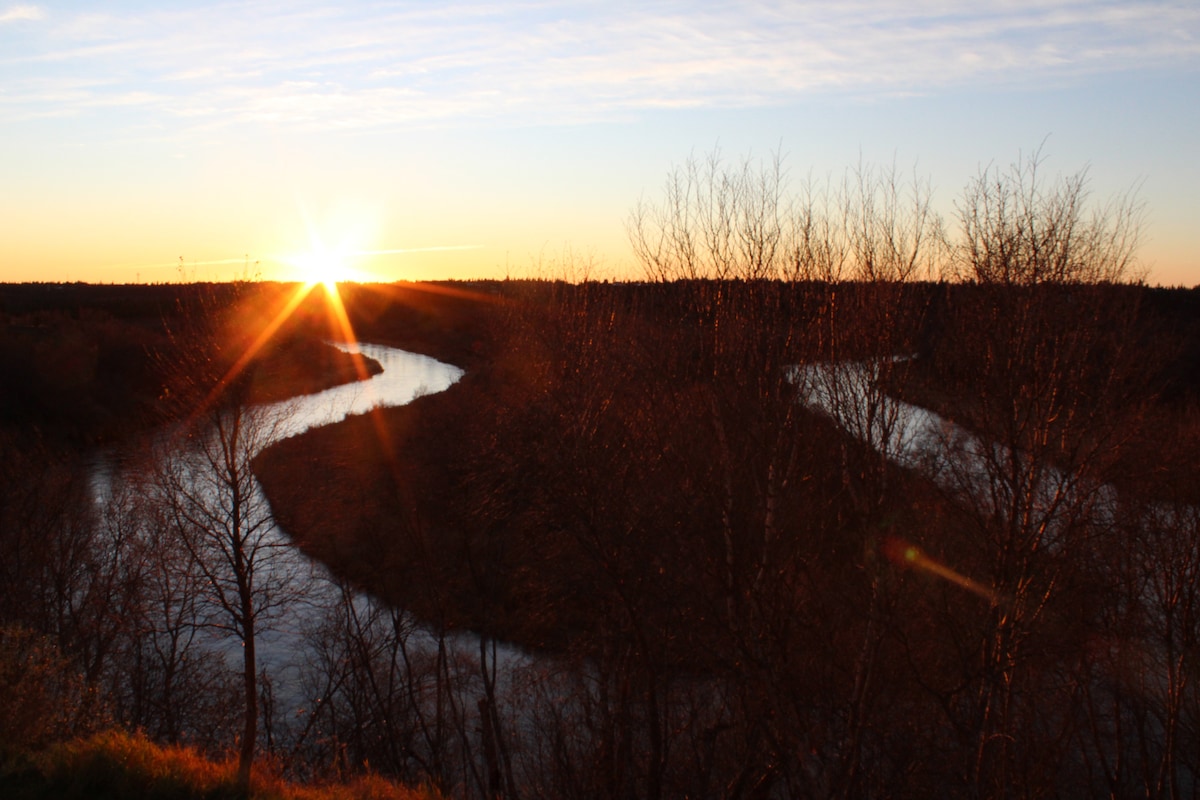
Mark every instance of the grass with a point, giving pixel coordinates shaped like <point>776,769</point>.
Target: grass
<point>116,764</point>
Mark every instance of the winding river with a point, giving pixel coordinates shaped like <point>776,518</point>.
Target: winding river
<point>282,643</point>
<point>405,376</point>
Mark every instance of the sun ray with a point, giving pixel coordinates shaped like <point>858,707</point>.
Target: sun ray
<point>340,320</point>
<point>394,293</point>
<point>264,336</point>
<point>340,328</point>
<point>335,308</point>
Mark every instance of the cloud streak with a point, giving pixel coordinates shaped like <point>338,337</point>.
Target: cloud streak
<point>328,67</point>
<point>20,13</point>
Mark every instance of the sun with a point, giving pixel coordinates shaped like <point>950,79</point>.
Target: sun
<point>326,267</point>
<point>333,256</point>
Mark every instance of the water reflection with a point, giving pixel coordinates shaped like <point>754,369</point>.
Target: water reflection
<point>405,377</point>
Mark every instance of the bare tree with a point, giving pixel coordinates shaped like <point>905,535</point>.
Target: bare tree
<point>745,222</point>
<point>372,674</point>
<point>1045,371</point>
<point>714,222</point>
<point>162,679</point>
<point>1019,230</point>
<point>248,572</point>
<point>892,231</point>
<point>1137,678</point>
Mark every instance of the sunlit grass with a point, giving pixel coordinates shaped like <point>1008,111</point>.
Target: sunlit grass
<point>119,764</point>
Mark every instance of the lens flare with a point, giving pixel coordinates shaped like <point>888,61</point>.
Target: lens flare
<point>908,556</point>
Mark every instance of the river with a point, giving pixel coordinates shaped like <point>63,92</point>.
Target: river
<point>404,377</point>
<point>281,641</point>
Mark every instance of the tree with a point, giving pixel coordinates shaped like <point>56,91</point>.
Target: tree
<point>218,514</point>
<point>223,522</point>
<point>714,223</point>
<point>1019,231</point>
<point>756,451</point>
<point>1048,380</point>
<point>375,684</point>
<point>745,222</point>
<point>163,680</point>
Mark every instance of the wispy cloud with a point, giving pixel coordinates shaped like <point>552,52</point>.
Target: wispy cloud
<point>18,13</point>
<point>319,66</point>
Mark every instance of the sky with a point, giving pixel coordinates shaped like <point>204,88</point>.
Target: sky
<point>146,141</point>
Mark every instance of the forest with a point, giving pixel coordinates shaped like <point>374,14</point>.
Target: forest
<point>834,503</point>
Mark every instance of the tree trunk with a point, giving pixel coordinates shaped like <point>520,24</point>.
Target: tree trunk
<point>250,729</point>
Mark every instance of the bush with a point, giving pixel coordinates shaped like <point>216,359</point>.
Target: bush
<point>42,697</point>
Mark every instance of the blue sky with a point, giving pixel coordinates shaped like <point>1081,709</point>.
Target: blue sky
<point>484,139</point>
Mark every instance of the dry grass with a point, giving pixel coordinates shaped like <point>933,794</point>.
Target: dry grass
<point>115,764</point>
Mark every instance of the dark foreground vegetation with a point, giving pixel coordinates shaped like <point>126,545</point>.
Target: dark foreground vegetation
<point>631,489</point>
<point>694,557</point>
<point>731,592</point>
<point>96,620</point>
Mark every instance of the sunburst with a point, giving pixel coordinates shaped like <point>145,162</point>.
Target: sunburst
<point>339,321</point>
<point>325,267</point>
